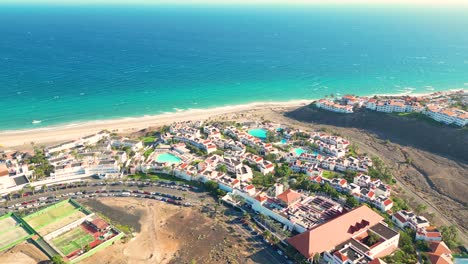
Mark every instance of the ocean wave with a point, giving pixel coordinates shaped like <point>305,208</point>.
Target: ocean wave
<point>418,57</point>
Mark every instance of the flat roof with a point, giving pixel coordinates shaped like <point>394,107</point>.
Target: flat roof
<point>384,231</point>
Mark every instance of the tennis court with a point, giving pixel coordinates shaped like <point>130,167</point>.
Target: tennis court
<point>11,232</point>
<point>54,217</point>
<point>72,240</point>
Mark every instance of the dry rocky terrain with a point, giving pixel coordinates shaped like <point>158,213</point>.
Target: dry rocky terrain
<point>429,161</point>
<point>165,233</point>
<point>24,253</point>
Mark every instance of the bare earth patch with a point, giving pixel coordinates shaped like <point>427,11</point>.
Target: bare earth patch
<point>167,234</point>
<point>24,253</point>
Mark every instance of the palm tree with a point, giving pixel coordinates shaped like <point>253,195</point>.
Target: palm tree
<point>246,216</point>
<point>316,258</point>
<point>275,240</point>
<point>173,166</point>
<point>184,195</point>
<point>32,189</point>
<point>21,192</point>
<point>44,188</point>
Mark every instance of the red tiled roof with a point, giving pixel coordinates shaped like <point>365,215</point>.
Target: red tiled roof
<point>433,234</point>
<point>439,248</point>
<point>289,196</point>
<point>438,259</point>
<point>260,198</point>
<point>330,234</point>
<point>341,256</point>
<point>387,202</point>
<point>400,218</point>
<point>377,261</point>
<point>99,223</point>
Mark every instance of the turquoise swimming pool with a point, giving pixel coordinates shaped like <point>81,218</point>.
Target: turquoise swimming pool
<point>167,157</point>
<point>258,132</point>
<point>299,151</point>
<point>284,141</point>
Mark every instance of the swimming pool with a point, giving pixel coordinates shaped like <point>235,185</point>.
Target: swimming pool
<point>168,157</point>
<point>299,151</point>
<point>258,132</point>
<point>284,141</point>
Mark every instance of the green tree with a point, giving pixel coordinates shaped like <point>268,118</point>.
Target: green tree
<point>420,208</point>
<point>283,171</point>
<point>211,186</point>
<point>39,164</point>
<point>57,259</point>
<point>450,236</point>
<point>351,201</point>
<point>373,238</point>
<point>43,188</point>
<point>222,168</point>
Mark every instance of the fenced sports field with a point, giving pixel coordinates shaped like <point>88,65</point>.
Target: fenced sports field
<point>54,217</point>
<point>72,240</point>
<point>12,232</point>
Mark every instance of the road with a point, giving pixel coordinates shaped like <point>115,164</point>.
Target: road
<point>191,196</point>
<point>263,252</point>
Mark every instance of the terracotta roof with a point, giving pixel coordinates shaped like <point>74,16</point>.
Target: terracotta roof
<point>439,259</point>
<point>260,198</point>
<point>341,256</point>
<point>249,187</point>
<point>377,261</point>
<point>289,196</point>
<point>439,248</point>
<point>400,218</point>
<point>433,234</point>
<point>3,170</point>
<point>99,223</point>
<point>387,202</point>
<point>326,236</point>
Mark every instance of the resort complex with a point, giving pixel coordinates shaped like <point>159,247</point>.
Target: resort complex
<point>331,202</point>
<point>441,106</point>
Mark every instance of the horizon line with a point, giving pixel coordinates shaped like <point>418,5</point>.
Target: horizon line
<point>420,3</point>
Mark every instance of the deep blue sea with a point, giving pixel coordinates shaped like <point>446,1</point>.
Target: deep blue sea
<point>77,63</point>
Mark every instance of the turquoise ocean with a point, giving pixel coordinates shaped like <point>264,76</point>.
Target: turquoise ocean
<point>71,64</point>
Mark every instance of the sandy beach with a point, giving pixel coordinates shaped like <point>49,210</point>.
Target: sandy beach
<point>47,135</point>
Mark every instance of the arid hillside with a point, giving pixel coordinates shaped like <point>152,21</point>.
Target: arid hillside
<point>407,131</point>
<point>429,160</point>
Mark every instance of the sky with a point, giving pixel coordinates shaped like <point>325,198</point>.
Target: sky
<point>133,2</point>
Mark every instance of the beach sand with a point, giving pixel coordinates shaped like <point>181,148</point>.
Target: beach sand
<point>22,138</point>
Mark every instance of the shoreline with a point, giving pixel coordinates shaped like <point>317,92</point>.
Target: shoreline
<point>71,131</point>
<point>14,138</point>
